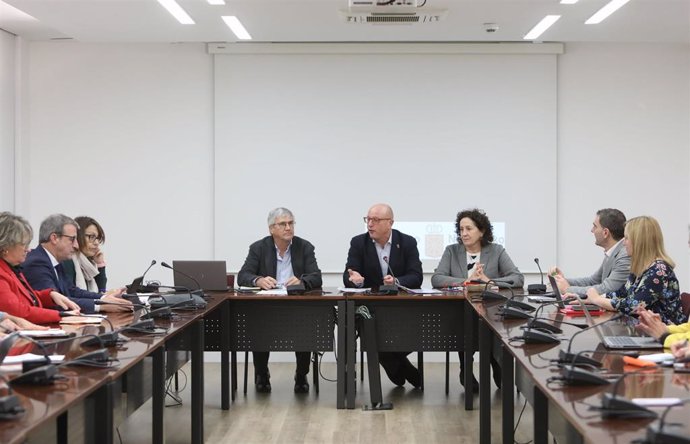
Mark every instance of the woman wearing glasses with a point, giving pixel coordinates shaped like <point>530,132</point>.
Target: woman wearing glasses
<point>87,266</point>
<point>652,283</point>
<point>17,297</point>
<point>476,258</point>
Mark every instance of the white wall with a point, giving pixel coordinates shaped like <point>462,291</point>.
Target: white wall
<point>624,143</point>
<point>124,132</point>
<point>7,120</point>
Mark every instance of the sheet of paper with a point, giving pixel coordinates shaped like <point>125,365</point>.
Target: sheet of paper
<point>274,291</point>
<point>423,291</point>
<point>18,359</point>
<point>656,402</point>
<point>353,290</point>
<point>657,357</point>
<point>53,332</point>
<point>81,320</point>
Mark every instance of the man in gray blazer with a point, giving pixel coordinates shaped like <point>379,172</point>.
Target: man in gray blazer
<point>608,228</point>
<point>280,259</point>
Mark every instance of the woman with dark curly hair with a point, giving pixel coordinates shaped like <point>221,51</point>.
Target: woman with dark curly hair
<point>476,258</point>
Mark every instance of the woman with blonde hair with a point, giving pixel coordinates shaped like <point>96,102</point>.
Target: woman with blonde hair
<point>652,284</point>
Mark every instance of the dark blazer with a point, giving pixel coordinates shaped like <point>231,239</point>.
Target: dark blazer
<point>262,261</point>
<point>404,261</point>
<point>40,273</point>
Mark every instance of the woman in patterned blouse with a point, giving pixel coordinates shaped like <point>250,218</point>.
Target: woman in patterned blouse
<point>652,284</point>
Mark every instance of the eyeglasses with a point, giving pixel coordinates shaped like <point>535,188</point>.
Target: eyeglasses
<point>94,238</point>
<point>285,225</point>
<point>71,238</point>
<point>374,220</point>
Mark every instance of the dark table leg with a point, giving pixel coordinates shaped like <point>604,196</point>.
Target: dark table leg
<point>225,358</point>
<point>62,437</point>
<point>100,415</point>
<point>541,427</point>
<point>197,340</point>
<point>470,333</point>
<point>158,396</point>
<point>351,378</point>
<point>341,388</point>
<point>508,395</point>
<point>484,383</point>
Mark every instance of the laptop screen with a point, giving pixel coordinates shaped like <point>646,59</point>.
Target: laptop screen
<point>209,275</point>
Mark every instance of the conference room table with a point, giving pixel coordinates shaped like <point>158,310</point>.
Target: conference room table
<point>568,412</point>
<point>410,322</point>
<point>97,390</point>
<point>273,322</point>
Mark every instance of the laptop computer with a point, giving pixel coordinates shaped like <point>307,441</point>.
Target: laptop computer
<point>210,275</point>
<point>559,295</point>
<point>615,342</point>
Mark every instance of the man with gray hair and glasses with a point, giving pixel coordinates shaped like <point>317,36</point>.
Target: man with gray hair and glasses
<point>607,228</point>
<point>280,259</point>
<point>57,237</point>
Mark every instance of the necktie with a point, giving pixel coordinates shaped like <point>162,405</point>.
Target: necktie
<point>60,271</point>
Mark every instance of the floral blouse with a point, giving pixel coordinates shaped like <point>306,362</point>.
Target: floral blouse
<point>657,287</point>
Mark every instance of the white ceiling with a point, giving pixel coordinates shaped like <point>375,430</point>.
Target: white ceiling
<point>319,21</point>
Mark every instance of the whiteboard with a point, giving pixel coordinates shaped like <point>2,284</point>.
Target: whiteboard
<point>328,135</point>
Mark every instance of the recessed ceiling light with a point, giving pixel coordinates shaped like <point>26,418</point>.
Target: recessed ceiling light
<point>177,11</point>
<point>236,27</point>
<point>606,11</point>
<point>542,26</point>
<point>569,2</point>
<point>216,2</point>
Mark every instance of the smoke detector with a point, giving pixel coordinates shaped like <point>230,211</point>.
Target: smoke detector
<point>395,12</point>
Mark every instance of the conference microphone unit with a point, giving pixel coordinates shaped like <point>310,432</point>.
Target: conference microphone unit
<point>97,358</point>
<point>10,407</point>
<point>159,313</point>
<point>198,291</point>
<point>512,302</point>
<point>146,326</point>
<point>110,339</point>
<point>535,336</point>
<point>566,357</point>
<point>388,289</point>
<point>665,433</point>
<point>301,288</point>
<point>614,406</point>
<point>537,288</point>
<point>137,284</point>
<point>44,375</point>
<point>490,295</point>
<point>573,375</point>
<point>537,331</point>
<point>184,300</point>
<point>515,309</point>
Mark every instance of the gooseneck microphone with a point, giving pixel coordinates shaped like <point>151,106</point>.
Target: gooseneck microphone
<point>388,289</point>
<point>198,291</point>
<point>490,295</point>
<point>540,332</point>
<point>614,406</point>
<point>566,357</point>
<point>537,288</point>
<point>137,285</point>
<point>665,433</point>
<point>153,262</point>
<point>573,375</point>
